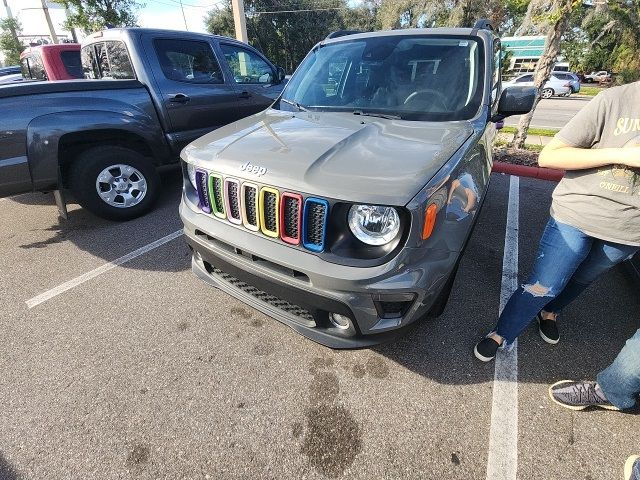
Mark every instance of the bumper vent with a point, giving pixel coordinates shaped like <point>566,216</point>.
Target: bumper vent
<point>272,300</point>
<point>314,224</point>
<point>216,195</point>
<point>290,217</point>
<point>250,206</point>
<point>202,183</point>
<point>232,200</point>
<point>269,199</point>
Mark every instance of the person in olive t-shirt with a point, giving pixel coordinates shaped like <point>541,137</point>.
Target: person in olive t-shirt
<point>595,215</point>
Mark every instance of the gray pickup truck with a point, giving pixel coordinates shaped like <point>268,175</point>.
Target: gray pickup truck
<point>152,92</point>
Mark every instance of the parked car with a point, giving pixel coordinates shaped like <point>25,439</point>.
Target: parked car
<point>153,92</point>
<point>344,208</point>
<point>571,78</point>
<point>597,77</point>
<point>553,87</point>
<point>52,62</point>
<point>10,74</point>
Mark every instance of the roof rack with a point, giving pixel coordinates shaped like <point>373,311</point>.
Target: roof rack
<point>482,24</point>
<point>342,33</point>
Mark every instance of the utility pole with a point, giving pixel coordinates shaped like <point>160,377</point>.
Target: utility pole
<point>186,27</point>
<point>54,37</point>
<point>74,35</point>
<point>240,20</point>
<point>10,16</point>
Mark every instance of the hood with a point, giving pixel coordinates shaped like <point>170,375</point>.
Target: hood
<point>340,156</point>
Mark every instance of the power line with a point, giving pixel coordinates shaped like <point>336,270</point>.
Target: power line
<point>299,11</point>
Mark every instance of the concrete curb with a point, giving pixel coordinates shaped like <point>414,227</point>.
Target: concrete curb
<point>540,173</point>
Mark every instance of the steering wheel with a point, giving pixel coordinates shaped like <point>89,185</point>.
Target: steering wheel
<point>432,94</point>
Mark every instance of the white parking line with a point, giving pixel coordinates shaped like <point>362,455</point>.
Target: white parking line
<point>49,294</point>
<point>503,436</point>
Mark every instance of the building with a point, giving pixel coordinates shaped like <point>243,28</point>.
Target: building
<point>525,53</point>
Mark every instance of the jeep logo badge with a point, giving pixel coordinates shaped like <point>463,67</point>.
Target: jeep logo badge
<point>255,169</point>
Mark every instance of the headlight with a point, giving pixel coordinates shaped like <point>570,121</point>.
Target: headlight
<point>374,225</point>
<point>191,171</point>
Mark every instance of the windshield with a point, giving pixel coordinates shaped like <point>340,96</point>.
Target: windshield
<point>412,77</point>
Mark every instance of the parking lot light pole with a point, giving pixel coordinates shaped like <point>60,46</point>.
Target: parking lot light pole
<point>240,20</point>
<point>52,30</point>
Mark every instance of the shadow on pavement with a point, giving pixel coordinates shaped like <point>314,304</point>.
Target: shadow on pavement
<point>7,472</point>
<point>110,240</point>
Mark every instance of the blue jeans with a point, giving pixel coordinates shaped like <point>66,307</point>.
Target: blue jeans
<point>620,382</point>
<point>568,260</point>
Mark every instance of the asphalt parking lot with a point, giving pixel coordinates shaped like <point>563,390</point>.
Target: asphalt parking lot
<point>554,112</point>
<point>139,370</point>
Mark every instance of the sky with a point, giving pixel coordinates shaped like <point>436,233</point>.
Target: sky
<point>155,14</point>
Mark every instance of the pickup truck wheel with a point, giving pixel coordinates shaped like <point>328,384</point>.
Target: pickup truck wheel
<point>114,182</point>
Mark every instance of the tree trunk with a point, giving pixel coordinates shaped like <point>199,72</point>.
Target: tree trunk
<point>562,12</point>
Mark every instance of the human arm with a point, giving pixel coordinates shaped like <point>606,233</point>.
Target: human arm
<point>558,154</point>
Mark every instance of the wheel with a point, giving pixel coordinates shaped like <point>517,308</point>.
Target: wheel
<point>115,183</point>
<point>546,93</point>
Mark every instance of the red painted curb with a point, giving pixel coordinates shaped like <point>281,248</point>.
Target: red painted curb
<point>533,172</point>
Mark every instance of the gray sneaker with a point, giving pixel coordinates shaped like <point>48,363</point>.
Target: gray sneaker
<point>579,395</point>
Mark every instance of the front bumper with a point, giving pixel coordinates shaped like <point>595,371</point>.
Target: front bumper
<point>300,289</point>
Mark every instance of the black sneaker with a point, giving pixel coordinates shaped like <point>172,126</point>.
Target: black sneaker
<point>579,395</point>
<point>486,349</point>
<point>548,330</point>
<point>632,468</point>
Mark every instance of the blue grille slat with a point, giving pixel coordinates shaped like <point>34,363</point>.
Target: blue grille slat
<point>314,224</point>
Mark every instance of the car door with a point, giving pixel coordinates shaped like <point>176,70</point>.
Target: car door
<point>255,78</point>
<point>192,86</point>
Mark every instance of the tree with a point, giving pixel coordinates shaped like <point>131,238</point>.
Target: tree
<point>555,25</point>
<point>10,45</point>
<point>610,39</point>
<point>93,15</point>
<point>286,37</point>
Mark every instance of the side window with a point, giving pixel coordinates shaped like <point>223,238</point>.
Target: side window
<point>37,68</point>
<point>497,70</point>
<point>24,66</point>
<point>188,61</point>
<point>120,67</point>
<point>497,62</point>
<point>526,78</point>
<point>102,60</point>
<point>247,66</point>
<point>71,61</point>
<point>89,63</point>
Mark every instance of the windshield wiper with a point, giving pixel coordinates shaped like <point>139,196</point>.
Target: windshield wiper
<point>381,115</point>
<point>302,108</point>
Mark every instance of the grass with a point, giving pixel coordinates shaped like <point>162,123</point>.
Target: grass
<point>543,132</point>
<point>527,146</point>
<point>590,91</point>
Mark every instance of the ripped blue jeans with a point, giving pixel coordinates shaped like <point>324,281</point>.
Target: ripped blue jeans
<point>568,260</point>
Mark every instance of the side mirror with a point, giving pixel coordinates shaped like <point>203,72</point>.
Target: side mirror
<point>281,74</point>
<point>515,101</point>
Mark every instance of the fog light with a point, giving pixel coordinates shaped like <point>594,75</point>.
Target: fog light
<point>340,321</point>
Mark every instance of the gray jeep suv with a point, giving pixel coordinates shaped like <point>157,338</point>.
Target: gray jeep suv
<point>344,208</point>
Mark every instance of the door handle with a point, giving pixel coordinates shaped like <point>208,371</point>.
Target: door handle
<point>179,98</point>
<point>245,94</point>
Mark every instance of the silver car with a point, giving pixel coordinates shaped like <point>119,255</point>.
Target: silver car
<point>572,78</point>
<point>553,87</point>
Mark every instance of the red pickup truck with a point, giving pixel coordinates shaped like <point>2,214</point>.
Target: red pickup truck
<point>52,62</point>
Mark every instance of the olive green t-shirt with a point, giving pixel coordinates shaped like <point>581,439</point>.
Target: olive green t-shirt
<point>603,202</point>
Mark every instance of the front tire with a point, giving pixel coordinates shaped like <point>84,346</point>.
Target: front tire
<point>546,93</point>
<point>115,183</point>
